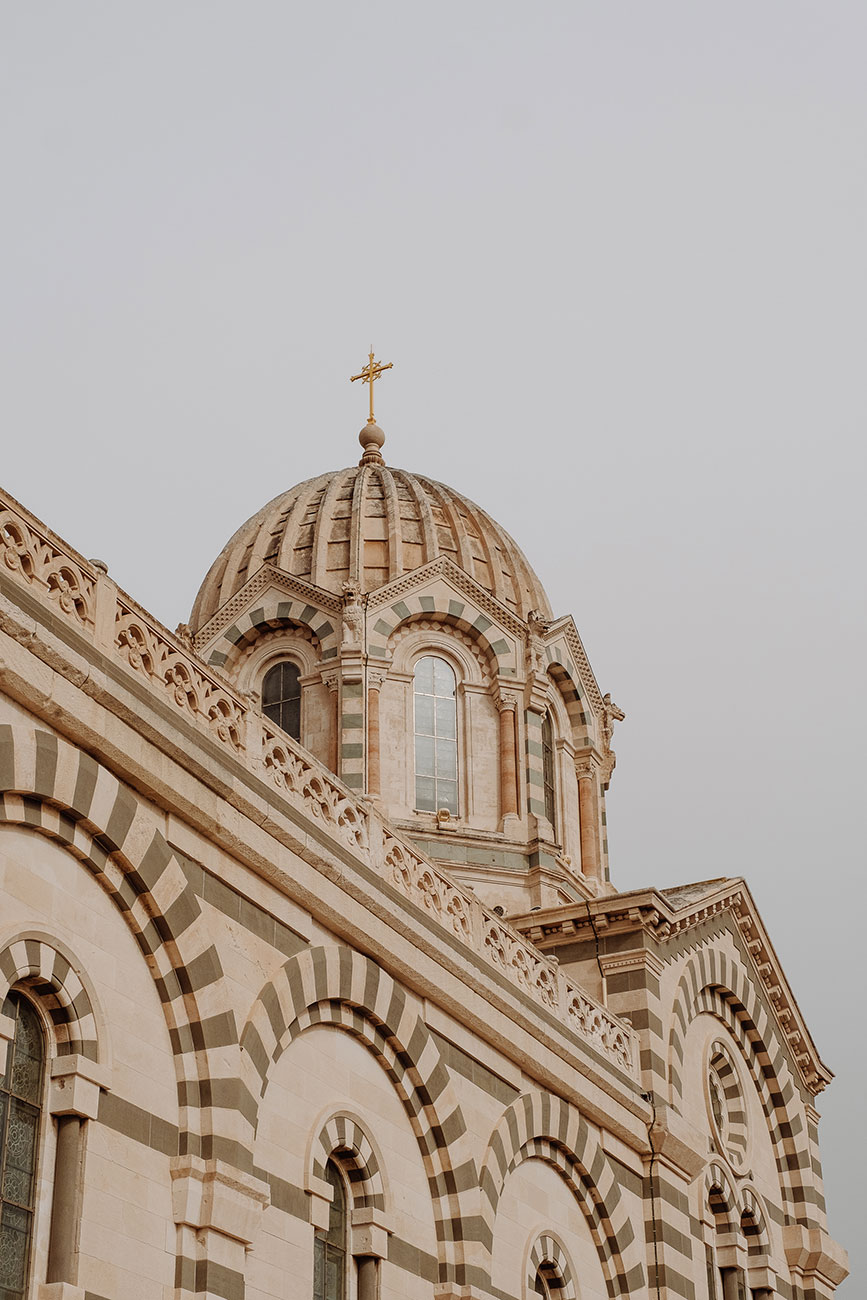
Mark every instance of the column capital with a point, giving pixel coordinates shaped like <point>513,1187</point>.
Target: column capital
<point>370,1232</point>
<point>76,1084</point>
<point>506,701</point>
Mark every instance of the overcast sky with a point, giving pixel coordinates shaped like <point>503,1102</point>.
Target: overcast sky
<point>616,252</point>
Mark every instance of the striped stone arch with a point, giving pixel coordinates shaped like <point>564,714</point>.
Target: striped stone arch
<point>337,986</point>
<point>269,614</point>
<point>344,1138</point>
<point>548,1256</point>
<point>713,983</point>
<point>540,1126</point>
<point>460,612</point>
<point>719,1195</point>
<point>44,966</point>
<point>735,1138</point>
<point>754,1224</point>
<point>563,673</point>
<point>52,788</point>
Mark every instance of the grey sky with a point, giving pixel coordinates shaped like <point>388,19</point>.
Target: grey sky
<point>617,254</point>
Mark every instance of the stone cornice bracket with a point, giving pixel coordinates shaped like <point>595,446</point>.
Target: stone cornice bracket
<point>811,1253</point>
<point>76,1085</point>
<point>214,1195</point>
<point>678,1143</point>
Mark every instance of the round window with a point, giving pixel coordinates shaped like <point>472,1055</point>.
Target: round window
<point>726,1108</point>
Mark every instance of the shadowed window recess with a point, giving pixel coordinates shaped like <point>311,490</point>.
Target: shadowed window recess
<point>436,736</point>
<point>330,1247</point>
<point>281,697</point>
<point>548,771</point>
<point>20,1117</point>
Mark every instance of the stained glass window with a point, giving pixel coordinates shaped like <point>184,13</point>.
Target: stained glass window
<point>436,736</point>
<point>329,1247</point>
<point>281,697</point>
<point>20,1114</point>
<point>548,770</point>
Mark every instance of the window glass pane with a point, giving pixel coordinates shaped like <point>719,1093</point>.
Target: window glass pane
<point>447,795</point>
<point>19,1135</point>
<point>436,753</point>
<point>14,1249</point>
<point>446,715</point>
<point>424,756</point>
<point>281,697</point>
<point>20,1162</point>
<point>447,759</point>
<point>318,1267</point>
<point>425,794</point>
<point>424,679</point>
<point>444,678</point>
<point>424,714</point>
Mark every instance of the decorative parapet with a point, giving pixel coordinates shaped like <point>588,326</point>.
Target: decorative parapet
<point>84,595</point>
<point>460,912</point>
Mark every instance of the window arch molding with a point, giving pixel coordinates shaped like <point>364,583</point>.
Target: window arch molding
<point>548,1256</point>
<point>44,966</point>
<point>416,642</point>
<point>281,643</point>
<point>346,1136</point>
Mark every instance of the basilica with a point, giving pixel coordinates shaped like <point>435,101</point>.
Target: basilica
<point>315,981</point>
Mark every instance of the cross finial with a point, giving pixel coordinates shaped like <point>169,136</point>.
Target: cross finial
<point>368,375</point>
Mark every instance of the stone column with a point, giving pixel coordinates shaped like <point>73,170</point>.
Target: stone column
<point>374,778</point>
<point>332,681</point>
<point>507,704</point>
<point>588,813</point>
<point>369,1245</point>
<point>76,1084</point>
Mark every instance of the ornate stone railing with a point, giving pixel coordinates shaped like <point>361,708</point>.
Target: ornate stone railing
<point>84,595</point>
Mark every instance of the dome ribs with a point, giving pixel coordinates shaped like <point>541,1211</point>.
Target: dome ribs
<point>295,548</point>
<point>396,564</point>
<point>425,519</point>
<point>373,524</point>
<point>325,532</point>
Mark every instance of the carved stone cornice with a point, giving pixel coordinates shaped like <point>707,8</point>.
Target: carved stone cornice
<point>653,914</point>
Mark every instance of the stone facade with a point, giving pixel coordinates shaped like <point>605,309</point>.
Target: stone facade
<point>255,960</point>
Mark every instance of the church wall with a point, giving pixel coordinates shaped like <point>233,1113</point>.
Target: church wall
<point>126,1243</point>
<point>535,1201</point>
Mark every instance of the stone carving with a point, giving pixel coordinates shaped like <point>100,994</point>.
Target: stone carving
<point>495,940</point>
<point>38,562</point>
<point>312,787</point>
<point>182,679</point>
<point>600,1029</point>
<point>537,627</point>
<point>353,616</point>
<point>610,714</point>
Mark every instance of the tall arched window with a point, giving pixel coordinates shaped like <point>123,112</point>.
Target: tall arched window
<point>281,697</point>
<point>436,736</point>
<point>20,1117</point>
<point>548,770</point>
<point>330,1248</point>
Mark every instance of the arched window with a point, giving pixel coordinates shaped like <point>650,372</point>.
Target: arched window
<point>20,1117</point>
<point>281,697</point>
<point>548,770</point>
<point>330,1248</point>
<point>436,736</point>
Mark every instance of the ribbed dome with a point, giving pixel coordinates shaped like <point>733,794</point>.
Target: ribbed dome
<point>373,523</point>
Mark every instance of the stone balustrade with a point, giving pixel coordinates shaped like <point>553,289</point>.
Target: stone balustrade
<point>85,596</point>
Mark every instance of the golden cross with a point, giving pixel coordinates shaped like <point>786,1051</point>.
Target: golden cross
<point>368,375</point>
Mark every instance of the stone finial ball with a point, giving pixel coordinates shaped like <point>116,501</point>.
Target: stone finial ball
<point>371,437</point>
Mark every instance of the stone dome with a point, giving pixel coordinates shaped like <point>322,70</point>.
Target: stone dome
<point>372,523</point>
